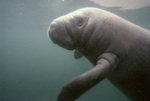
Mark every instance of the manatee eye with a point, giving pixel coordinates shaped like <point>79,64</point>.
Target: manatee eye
<point>80,22</point>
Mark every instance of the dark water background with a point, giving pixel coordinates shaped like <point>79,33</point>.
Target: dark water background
<point>32,68</point>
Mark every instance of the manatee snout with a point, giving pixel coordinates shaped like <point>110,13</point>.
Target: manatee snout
<point>58,34</point>
<point>51,30</point>
<point>54,33</point>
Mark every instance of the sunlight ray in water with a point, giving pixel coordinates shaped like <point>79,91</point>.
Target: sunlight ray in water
<point>123,4</point>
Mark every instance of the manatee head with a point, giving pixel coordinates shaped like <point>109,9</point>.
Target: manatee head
<point>66,31</point>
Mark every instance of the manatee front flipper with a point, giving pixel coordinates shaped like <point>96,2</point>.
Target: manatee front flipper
<point>77,86</point>
<point>77,54</point>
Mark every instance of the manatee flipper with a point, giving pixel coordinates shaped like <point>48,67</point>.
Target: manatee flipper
<point>77,54</point>
<point>82,83</point>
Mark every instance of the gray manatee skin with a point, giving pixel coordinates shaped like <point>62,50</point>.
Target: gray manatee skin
<point>119,50</point>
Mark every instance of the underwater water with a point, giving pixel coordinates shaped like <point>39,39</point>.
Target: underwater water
<point>32,68</point>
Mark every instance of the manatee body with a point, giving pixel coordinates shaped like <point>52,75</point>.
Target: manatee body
<point>119,50</point>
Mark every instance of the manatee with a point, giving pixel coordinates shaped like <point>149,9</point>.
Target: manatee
<point>119,50</point>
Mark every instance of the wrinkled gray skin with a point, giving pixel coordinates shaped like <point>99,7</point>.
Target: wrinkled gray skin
<point>119,50</point>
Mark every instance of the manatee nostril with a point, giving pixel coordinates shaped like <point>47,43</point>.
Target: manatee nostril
<point>53,25</point>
